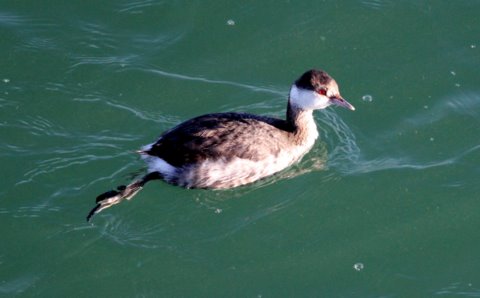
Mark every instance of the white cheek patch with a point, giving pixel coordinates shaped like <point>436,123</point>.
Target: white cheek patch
<point>307,99</point>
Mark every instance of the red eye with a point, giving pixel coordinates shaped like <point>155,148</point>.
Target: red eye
<point>322,91</point>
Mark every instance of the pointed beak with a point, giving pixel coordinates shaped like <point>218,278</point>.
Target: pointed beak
<point>339,101</point>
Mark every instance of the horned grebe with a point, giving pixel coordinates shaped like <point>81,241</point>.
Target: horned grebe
<point>225,150</point>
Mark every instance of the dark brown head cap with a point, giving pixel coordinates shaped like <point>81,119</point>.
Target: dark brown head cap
<point>313,79</point>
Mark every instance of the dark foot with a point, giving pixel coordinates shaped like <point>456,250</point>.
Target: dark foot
<point>113,197</point>
<point>106,195</point>
<point>93,212</point>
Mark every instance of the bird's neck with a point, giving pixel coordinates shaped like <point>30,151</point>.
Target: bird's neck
<point>304,129</point>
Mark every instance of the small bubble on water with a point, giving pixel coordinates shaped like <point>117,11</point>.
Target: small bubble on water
<point>432,139</point>
<point>473,46</point>
<point>358,266</point>
<point>367,98</point>
<point>231,22</point>
<point>425,107</point>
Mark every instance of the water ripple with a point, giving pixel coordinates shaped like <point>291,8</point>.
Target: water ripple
<point>38,125</point>
<point>80,149</point>
<point>106,60</point>
<point>18,285</point>
<point>97,36</point>
<point>210,81</point>
<point>459,289</point>
<point>52,165</point>
<point>464,103</point>
<point>347,157</point>
<point>9,19</point>
<point>124,233</point>
<point>341,138</point>
<point>377,4</point>
<point>155,42</point>
<point>143,114</point>
<point>136,7</point>
<point>7,103</point>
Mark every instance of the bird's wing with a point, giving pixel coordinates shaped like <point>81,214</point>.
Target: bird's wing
<point>224,136</point>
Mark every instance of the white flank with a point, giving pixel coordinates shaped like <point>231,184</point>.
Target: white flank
<point>237,171</point>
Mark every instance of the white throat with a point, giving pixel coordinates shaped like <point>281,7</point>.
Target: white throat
<point>308,99</point>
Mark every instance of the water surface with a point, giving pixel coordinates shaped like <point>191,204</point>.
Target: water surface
<point>386,204</point>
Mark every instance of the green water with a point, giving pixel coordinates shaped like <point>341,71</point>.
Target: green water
<point>385,205</point>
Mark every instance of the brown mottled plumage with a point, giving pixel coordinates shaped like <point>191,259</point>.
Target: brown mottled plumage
<point>222,135</point>
<point>226,150</point>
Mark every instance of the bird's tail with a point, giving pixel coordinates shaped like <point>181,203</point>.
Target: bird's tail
<point>113,197</point>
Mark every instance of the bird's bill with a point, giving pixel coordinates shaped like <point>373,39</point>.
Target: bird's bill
<point>339,101</point>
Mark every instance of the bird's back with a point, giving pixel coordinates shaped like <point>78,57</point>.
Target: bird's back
<point>221,136</point>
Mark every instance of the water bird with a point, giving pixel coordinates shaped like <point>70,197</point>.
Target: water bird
<point>226,150</point>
